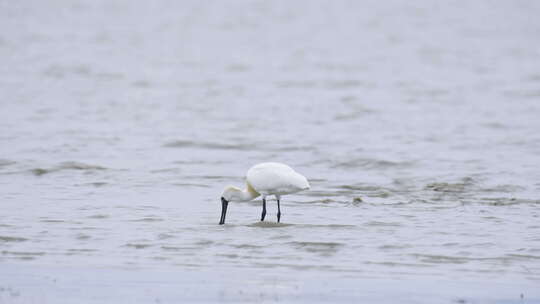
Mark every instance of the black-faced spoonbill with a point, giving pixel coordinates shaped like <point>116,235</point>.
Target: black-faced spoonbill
<point>264,179</point>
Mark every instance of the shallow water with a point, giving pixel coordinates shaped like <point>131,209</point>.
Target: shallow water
<point>415,123</point>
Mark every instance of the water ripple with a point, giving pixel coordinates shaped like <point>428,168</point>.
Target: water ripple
<point>209,145</point>
<point>12,239</point>
<point>67,166</point>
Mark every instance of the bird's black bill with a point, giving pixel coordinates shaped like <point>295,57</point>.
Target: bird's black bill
<point>224,204</point>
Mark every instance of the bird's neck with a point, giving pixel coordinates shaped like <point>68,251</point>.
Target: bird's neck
<point>247,194</point>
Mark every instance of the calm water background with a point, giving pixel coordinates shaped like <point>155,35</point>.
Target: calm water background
<point>417,124</point>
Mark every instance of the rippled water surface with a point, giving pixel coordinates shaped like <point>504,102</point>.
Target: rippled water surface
<point>416,123</point>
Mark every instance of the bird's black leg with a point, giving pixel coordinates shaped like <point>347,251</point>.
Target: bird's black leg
<point>278,211</point>
<point>264,209</point>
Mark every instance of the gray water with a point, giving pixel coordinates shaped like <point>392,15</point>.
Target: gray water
<point>416,123</point>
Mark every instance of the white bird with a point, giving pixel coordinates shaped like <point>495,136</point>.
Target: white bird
<point>265,179</point>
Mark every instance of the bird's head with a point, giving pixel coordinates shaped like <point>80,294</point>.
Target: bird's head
<point>230,193</point>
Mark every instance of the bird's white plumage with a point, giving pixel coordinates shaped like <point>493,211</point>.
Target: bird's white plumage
<point>275,179</point>
<point>264,179</point>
